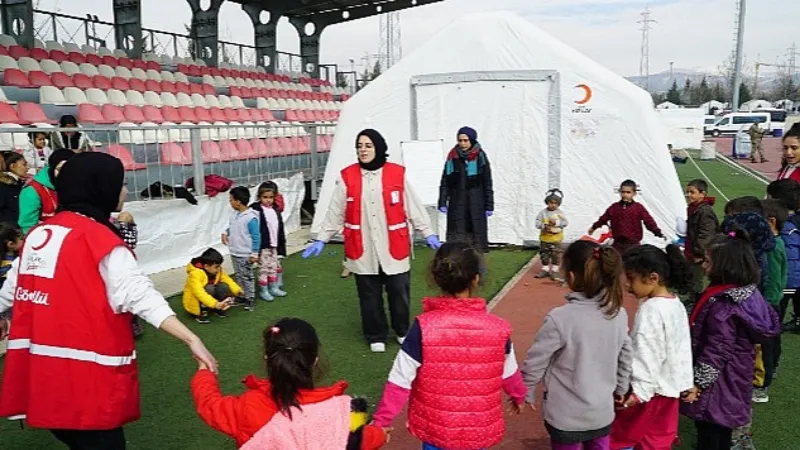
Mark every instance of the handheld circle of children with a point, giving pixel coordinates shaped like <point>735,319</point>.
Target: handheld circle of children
<point>605,388</point>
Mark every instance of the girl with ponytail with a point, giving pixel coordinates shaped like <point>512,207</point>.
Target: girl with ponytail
<point>647,417</point>
<point>287,410</point>
<point>727,322</point>
<point>584,349</point>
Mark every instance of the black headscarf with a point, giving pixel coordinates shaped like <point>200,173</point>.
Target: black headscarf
<point>380,149</point>
<point>90,184</point>
<point>70,142</point>
<point>55,159</point>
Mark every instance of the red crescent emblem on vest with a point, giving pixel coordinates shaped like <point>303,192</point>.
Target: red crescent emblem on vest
<point>48,235</point>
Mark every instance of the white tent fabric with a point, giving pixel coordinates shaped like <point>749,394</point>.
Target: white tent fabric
<point>609,128</point>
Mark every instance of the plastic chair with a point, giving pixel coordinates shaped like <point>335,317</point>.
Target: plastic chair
<point>113,113</point>
<point>96,96</point>
<point>140,64</point>
<point>170,114</point>
<point>211,152</point>
<point>137,85</point>
<point>39,79</point>
<point>184,100</point>
<point>230,115</point>
<point>175,154</point>
<point>76,58</point>
<point>89,69</point>
<point>116,97</point>
<point>125,156</point>
<point>202,114</point>
<point>133,114</point>
<point>39,54</point>
<point>120,83</point>
<point>32,113</point>
<point>246,150</point>
<point>110,61</point>
<point>152,114</point>
<point>82,81</point>
<point>152,85</point>
<point>101,82</point>
<point>17,78</point>
<point>18,51</point>
<point>187,114</point>
<point>93,59</point>
<point>230,152</point>
<point>125,62</point>
<point>91,114</point>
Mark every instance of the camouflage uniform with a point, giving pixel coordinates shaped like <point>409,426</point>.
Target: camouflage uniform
<point>757,148</point>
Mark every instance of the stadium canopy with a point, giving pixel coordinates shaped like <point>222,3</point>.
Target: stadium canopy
<point>547,116</point>
<point>309,17</point>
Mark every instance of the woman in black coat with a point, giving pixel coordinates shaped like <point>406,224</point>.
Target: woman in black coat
<point>11,184</point>
<point>465,192</point>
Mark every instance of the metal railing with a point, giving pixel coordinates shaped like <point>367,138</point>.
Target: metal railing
<point>171,154</point>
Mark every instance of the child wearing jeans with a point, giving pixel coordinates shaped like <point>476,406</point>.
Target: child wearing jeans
<point>583,353</point>
<point>551,222</point>
<point>727,322</point>
<point>273,242</point>
<point>454,340</point>
<point>243,238</point>
<point>625,219</point>
<point>287,410</point>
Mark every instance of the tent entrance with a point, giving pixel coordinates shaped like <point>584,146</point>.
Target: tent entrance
<point>517,114</point>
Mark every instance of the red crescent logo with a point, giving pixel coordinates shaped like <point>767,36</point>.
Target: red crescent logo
<point>49,235</point>
<point>587,94</point>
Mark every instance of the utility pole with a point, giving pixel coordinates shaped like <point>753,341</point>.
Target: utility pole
<point>644,57</point>
<point>737,71</point>
<point>671,76</point>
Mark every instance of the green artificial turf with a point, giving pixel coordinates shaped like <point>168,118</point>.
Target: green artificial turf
<point>317,294</point>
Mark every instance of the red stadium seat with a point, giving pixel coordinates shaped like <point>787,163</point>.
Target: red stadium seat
<point>8,114</point>
<point>235,90</point>
<point>267,115</point>
<point>39,79</point>
<point>205,71</point>
<point>170,114</point>
<point>168,86</point>
<point>3,50</point>
<point>230,152</point>
<point>120,83</point>
<point>77,58</point>
<point>101,82</point>
<point>236,73</point>
<point>125,156</point>
<point>94,60</point>
<point>113,113</point>
<point>187,114</point>
<point>214,72</point>
<point>211,152</point>
<point>208,89</point>
<point>39,54</point>
<point>196,88</point>
<point>133,114</point>
<point>137,85</point>
<point>152,65</point>
<point>88,113</point>
<point>292,116</point>
<point>17,51</point>
<point>152,114</point>
<point>260,147</point>
<point>244,115</point>
<point>58,56</point>
<point>82,81</point>
<point>152,85</point>
<point>17,78</point>
<point>203,114</point>
<point>217,115</point>
<point>246,149</point>
<point>32,113</point>
<point>230,115</point>
<point>185,88</point>
<point>110,61</point>
<point>140,64</point>
<point>176,154</point>
<point>225,73</point>
<point>246,92</point>
<point>126,63</point>
<point>183,68</point>
<point>61,80</point>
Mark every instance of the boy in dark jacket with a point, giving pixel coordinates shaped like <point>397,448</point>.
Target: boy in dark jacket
<point>625,218</point>
<point>787,191</point>
<point>273,241</point>
<point>701,227</point>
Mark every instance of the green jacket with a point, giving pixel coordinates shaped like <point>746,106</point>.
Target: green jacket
<point>30,205</point>
<point>778,275</point>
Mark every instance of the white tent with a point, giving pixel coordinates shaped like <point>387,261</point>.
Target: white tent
<point>668,105</point>
<point>713,104</point>
<point>683,126</point>
<point>754,105</point>
<point>546,115</point>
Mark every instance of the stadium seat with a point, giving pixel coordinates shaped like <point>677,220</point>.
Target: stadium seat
<point>203,114</point>
<point>49,66</point>
<point>196,88</point>
<point>236,102</point>
<point>16,77</point>
<point>125,62</point>
<point>198,100</point>
<point>184,100</point>
<point>187,114</point>
<point>170,114</point>
<point>70,68</point>
<point>104,51</point>
<point>106,71</point>
<point>113,113</point>
<point>176,154</point>
<point>137,85</point>
<point>93,95</point>
<point>8,114</point>
<point>152,114</point>
<point>116,97</point>
<point>93,59</point>
<point>39,54</point>
<point>31,113</point>
<point>135,98</point>
<point>28,64</point>
<point>154,75</point>
<point>7,41</point>
<point>169,87</point>
<point>152,98</point>
<point>267,115</point>
<point>139,64</point>
<point>230,152</point>
<point>101,82</point>
<point>123,72</point>
<point>50,95</point>
<point>125,156</point>
<point>246,150</point>
<point>212,101</point>
<point>91,114</point>
<point>152,65</point>
<point>211,152</point>
<point>18,51</point>
<point>181,87</point>
<point>39,79</point>
<point>167,76</point>
<point>89,69</point>
<point>133,114</point>
<point>292,116</point>
<point>120,84</point>
<point>82,81</point>
<point>138,73</point>
<point>110,60</point>
<point>152,85</point>
<point>224,101</point>
<point>179,77</point>
<point>230,115</point>
<point>3,51</point>
<point>243,115</point>
<point>71,47</point>
<point>217,115</point>
<point>76,58</point>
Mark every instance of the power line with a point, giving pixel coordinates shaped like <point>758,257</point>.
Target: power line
<point>644,57</point>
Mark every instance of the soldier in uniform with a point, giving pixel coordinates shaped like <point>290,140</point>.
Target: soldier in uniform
<point>757,148</point>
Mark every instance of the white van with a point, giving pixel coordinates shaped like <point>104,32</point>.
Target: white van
<point>731,123</point>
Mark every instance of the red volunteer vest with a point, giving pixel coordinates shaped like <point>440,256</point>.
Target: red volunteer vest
<point>456,399</point>
<point>71,362</point>
<point>795,175</point>
<point>393,181</point>
<point>48,197</point>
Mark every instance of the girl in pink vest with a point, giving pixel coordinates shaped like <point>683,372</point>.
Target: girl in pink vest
<point>454,364</point>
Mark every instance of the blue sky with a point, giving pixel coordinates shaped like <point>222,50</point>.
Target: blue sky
<point>694,34</point>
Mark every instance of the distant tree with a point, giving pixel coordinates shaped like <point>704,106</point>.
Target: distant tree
<point>366,77</point>
<point>658,97</point>
<point>376,70</point>
<point>784,88</point>
<point>744,94</point>
<point>718,93</point>
<point>687,95</point>
<point>674,95</point>
<point>702,92</point>
<point>341,80</point>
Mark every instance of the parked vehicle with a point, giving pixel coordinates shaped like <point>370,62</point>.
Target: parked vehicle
<point>731,123</point>
<point>777,116</point>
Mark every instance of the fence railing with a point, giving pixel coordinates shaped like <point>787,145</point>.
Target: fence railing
<point>171,154</point>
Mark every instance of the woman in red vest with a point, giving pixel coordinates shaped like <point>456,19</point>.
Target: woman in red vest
<point>373,203</point>
<point>791,154</point>
<point>71,361</point>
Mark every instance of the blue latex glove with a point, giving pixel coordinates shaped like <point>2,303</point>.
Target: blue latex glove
<point>433,242</point>
<point>443,210</point>
<point>314,249</point>
<point>489,213</point>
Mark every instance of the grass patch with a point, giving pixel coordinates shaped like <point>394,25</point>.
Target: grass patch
<point>317,294</point>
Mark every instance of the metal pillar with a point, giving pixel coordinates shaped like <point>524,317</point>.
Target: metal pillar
<point>309,44</point>
<point>128,27</point>
<point>18,21</point>
<point>266,36</point>
<point>205,31</point>
<point>737,70</point>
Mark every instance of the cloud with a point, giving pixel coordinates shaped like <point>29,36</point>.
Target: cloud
<point>690,33</point>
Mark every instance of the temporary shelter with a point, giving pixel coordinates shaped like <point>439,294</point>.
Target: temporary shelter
<point>754,105</point>
<point>668,105</point>
<point>547,116</point>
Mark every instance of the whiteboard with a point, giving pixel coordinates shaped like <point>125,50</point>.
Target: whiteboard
<point>424,162</point>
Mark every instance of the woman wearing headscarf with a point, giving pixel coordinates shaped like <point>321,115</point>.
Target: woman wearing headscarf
<point>71,361</point>
<point>465,192</point>
<point>373,203</point>
<point>38,200</point>
<point>70,140</point>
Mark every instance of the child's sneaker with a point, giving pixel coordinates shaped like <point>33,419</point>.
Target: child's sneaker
<point>202,319</point>
<point>275,291</point>
<point>264,293</point>
<point>542,274</point>
<point>760,395</point>
<point>221,314</point>
<point>250,306</point>
<point>279,283</point>
<point>792,327</point>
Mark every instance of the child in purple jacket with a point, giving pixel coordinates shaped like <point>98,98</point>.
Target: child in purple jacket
<point>727,322</point>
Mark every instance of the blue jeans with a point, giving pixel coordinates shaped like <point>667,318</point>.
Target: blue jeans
<point>426,446</point>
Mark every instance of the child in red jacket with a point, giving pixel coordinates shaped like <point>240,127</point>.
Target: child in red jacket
<point>287,410</point>
<point>625,218</point>
<point>454,364</point>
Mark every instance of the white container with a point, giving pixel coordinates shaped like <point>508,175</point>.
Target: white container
<point>708,150</point>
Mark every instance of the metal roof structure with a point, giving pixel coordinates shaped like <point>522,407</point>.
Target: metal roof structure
<point>333,11</point>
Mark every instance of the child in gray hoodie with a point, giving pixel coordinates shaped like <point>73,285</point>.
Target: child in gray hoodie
<point>583,353</point>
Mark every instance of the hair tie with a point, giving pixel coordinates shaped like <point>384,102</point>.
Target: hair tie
<point>596,252</point>
<point>732,234</point>
<point>274,330</point>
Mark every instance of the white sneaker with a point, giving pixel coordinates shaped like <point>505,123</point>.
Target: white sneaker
<point>377,347</point>
<point>401,339</point>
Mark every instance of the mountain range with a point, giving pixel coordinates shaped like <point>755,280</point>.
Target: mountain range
<point>662,81</point>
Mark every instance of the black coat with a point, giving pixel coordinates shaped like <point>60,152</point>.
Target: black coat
<point>9,198</point>
<point>265,243</point>
<point>467,199</point>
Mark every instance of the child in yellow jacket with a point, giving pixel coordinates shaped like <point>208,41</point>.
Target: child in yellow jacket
<point>208,287</point>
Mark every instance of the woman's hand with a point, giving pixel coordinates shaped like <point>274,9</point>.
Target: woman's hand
<point>387,431</point>
<point>204,358</point>
<point>125,217</point>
